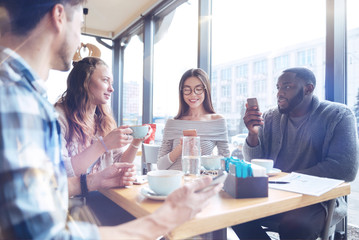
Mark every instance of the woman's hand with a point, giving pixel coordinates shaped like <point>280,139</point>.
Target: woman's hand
<point>119,137</point>
<point>137,141</point>
<point>176,152</point>
<point>150,130</point>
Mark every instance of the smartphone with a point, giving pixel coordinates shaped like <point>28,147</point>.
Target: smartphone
<point>140,180</point>
<point>190,133</point>
<point>221,178</point>
<point>252,102</point>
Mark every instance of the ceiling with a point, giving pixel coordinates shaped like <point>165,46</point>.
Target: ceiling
<point>109,18</point>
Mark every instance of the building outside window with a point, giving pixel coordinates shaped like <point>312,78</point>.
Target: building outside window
<point>260,86</point>
<point>214,78</point>
<point>226,74</point>
<point>306,57</point>
<point>132,81</point>
<point>281,62</point>
<point>259,50</point>
<point>214,94</point>
<point>260,67</point>
<point>226,91</point>
<point>241,89</point>
<point>242,71</point>
<point>353,91</point>
<point>226,107</point>
<point>175,51</point>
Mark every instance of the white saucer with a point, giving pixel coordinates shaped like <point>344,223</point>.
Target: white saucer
<point>274,172</point>
<point>148,193</point>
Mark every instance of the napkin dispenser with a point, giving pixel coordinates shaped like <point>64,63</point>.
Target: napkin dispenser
<point>249,187</point>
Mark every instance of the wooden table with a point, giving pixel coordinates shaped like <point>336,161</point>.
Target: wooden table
<point>224,211</point>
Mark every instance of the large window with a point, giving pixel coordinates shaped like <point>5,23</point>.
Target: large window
<point>281,62</point>
<point>242,71</point>
<point>241,89</point>
<point>260,67</point>
<point>175,51</point>
<point>306,57</point>
<point>226,74</point>
<point>132,81</point>
<point>353,88</point>
<point>56,82</point>
<point>260,38</point>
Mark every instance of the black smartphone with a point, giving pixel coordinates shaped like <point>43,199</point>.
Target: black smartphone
<point>221,178</point>
<point>252,102</point>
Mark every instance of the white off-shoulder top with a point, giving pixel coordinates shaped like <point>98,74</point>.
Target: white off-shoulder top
<point>212,133</point>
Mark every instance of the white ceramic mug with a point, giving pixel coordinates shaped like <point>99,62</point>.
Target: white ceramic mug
<point>163,182</point>
<point>266,163</point>
<point>139,131</point>
<point>211,162</point>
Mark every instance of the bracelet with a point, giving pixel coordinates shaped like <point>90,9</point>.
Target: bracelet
<point>103,143</point>
<point>83,183</point>
<point>137,147</point>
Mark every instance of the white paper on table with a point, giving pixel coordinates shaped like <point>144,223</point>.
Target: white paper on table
<point>306,184</point>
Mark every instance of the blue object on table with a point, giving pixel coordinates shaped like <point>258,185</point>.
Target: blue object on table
<point>238,167</point>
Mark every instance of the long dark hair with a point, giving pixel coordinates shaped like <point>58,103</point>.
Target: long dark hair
<point>75,101</point>
<point>203,77</point>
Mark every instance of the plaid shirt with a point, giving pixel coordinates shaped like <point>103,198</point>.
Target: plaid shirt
<point>33,182</point>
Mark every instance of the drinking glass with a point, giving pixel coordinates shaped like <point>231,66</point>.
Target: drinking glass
<point>191,156</point>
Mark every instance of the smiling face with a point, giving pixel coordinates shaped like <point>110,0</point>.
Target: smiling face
<point>290,93</point>
<point>100,85</point>
<point>193,85</point>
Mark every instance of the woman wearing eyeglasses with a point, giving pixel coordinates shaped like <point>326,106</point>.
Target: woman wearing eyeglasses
<point>195,112</point>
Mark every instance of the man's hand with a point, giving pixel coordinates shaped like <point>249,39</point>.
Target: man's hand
<point>179,207</point>
<point>184,203</point>
<point>116,175</point>
<point>252,119</point>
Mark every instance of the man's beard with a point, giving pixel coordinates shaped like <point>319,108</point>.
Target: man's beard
<point>292,103</point>
<point>64,59</point>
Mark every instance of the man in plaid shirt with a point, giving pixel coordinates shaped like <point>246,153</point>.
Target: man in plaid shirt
<point>34,189</point>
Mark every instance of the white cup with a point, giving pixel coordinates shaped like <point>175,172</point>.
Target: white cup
<point>211,162</point>
<point>139,131</point>
<point>163,182</point>
<point>266,163</point>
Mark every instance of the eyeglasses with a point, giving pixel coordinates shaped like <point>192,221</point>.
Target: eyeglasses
<point>197,90</point>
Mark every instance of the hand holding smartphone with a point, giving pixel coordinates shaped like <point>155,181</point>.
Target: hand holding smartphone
<point>221,178</point>
<point>252,102</point>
